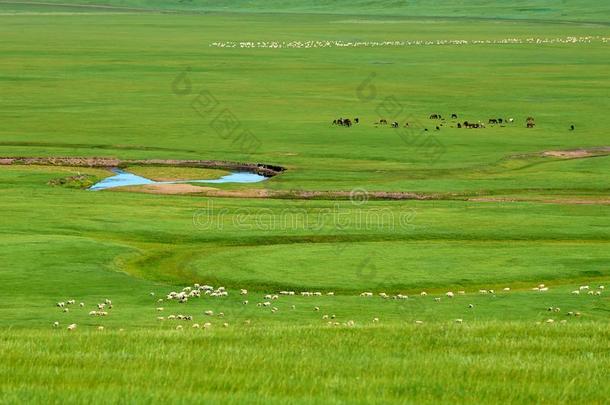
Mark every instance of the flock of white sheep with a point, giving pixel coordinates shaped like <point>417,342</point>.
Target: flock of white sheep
<point>198,291</point>
<point>383,44</point>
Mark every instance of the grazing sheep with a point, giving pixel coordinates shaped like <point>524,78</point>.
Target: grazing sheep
<point>601,287</point>
<point>294,307</point>
<point>207,325</point>
<point>179,327</point>
<point>470,306</point>
<point>243,291</point>
<point>72,326</point>
<point>450,294</point>
<point>491,291</point>
<point>195,326</point>
<point>61,304</point>
<point>482,291</point>
<point>267,297</point>
<point>462,292</point>
<point>324,316</point>
<point>221,314</point>
<point>401,297</point>
<point>590,292</point>
<point>82,304</point>
<point>543,289</point>
<point>245,302</point>
<point>56,324</point>
<point>563,321</point>
<point>266,304</point>
<point>576,292</point>
<point>506,289</point>
<point>350,323</point>
<point>160,318</point>
<point>209,313</point>
<point>100,328</point>
<point>598,293</point>
<point>160,300</point>
<point>419,322</point>
<point>459,320</point>
<point>316,308</point>
<point>584,287</point>
<point>366,294</point>
<point>171,317</point>
<point>375,320</point>
<point>226,325</point>
<point>437,299</point>
<point>71,302</point>
<point>550,321</point>
<point>330,293</point>
<point>66,309</point>
<point>160,309</point>
<point>423,293</point>
<point>247,322</point>
<point>540,285</point>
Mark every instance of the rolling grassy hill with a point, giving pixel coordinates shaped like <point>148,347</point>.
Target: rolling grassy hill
<point>503,216</point>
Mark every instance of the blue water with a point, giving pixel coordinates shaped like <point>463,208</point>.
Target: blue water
<point>123,178</point>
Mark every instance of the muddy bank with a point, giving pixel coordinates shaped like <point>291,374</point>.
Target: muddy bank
<point>258,168</point>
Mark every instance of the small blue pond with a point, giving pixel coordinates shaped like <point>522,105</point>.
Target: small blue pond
<point>123,178</point>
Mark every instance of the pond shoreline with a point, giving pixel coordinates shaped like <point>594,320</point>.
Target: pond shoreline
<point>266,170</point>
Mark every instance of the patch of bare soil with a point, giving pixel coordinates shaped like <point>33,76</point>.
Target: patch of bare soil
<point>577,153</point>
<point>165,189</point>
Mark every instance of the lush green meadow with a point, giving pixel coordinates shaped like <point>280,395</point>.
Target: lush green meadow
<point>503,216</point>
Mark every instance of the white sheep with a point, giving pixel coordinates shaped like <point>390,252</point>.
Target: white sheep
<point>209,312</point>
<point>423,293</point>
<point>82,304</point>
<point>506,289</point>
<point>159,309</point>
<point>56,324</point>
<point>437,299</point>
<point>330,293</point>
<point>245,302</point>
<point>196,326</point>
<point>316,308</point>
<point>576,292</point>
<point>243,291</point>
<point>207,325</point>
<point>72,326</point>
<point>366,294</point>
<point>449,294</point>
<point>100,328</point>
<point>375,320</point>
<point>459,320</point>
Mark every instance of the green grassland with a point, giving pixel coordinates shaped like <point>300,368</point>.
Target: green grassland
<point>82,81</point>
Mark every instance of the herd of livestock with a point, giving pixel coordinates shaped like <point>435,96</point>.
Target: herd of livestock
<point>440,121</point>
